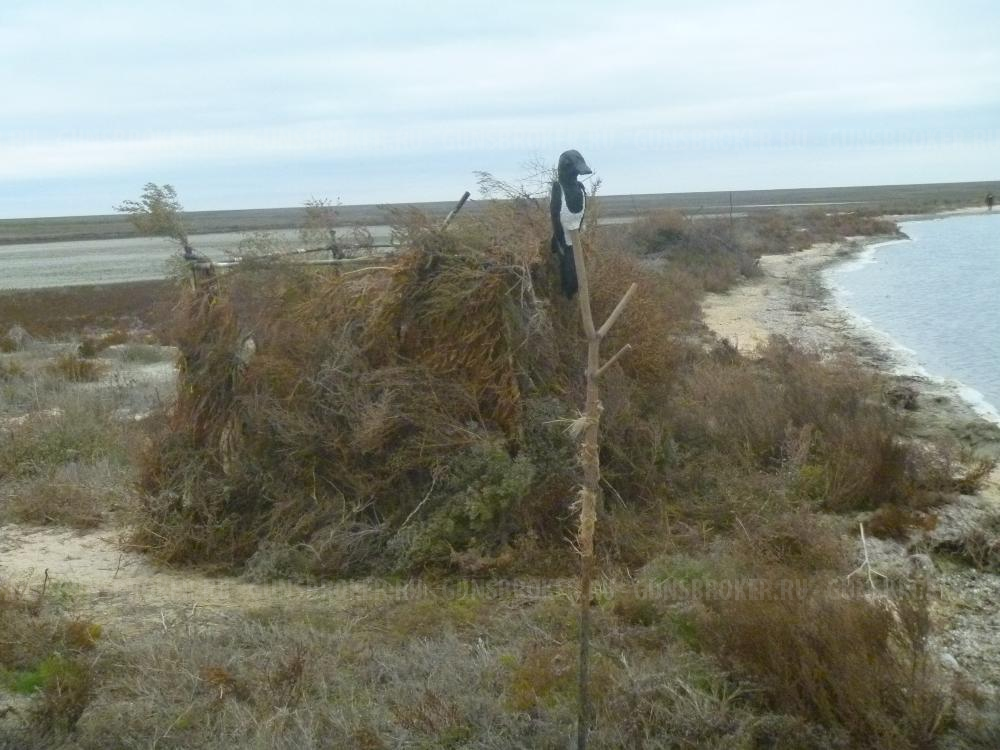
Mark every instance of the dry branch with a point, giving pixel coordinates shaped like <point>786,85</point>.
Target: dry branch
<point>591,461</point>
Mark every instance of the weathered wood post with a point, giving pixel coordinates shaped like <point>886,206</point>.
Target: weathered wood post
<point>590,459</point>
<point>567,205</point>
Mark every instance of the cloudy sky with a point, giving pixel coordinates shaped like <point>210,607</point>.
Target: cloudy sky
<point>251,104</point>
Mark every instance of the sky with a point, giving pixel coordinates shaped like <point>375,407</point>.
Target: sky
<point>252,104</point>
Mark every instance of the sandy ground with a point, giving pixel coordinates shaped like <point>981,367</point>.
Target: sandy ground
<point>92,571</point>
<point>790,299</point>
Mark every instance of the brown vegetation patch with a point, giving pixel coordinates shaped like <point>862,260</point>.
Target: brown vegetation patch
<point>406,416</point>
<point>853,662</point>
<point>76,370</point>
<point>59,311</point>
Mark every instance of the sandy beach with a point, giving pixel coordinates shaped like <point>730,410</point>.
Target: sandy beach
<point>791,298</point>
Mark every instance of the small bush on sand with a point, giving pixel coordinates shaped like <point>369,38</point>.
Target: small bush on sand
<point>41,656</point>
<point>45,502</point>
<point>856,663</point>
<point>970,532</point>
<point>115,338</point>
<point>10,370</point>
<point>898,523</point>
<point>76,369</point>
<point>90,346</point>
<point>80,431</point>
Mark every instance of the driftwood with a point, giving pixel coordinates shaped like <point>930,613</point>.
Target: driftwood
<point>588,427</point>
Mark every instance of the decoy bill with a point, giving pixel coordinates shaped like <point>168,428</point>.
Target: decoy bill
<point>566,208</point>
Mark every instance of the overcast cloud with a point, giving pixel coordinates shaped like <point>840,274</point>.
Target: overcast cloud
<point>244,104</point>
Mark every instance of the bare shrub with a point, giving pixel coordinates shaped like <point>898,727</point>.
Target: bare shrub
<point>79,431</point>
<point>41,657</point>
<point>898,523</point>
<point>822,424</point>
<point>856,663</point>
<point>157,212</point>
<point>11,370</point>
<point>56,504</point>
<point>76,370</point>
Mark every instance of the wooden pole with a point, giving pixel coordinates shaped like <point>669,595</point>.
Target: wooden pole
<point>590,458</point>
<point>454,212</point>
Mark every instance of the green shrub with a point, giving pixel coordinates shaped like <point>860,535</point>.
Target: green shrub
<point>474,506</point>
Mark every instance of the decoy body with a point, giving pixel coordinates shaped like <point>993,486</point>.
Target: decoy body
<point>569,200</point>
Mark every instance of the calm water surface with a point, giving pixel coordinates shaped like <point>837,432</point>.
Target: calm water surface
<point>47,264</point>
<point>937,297</point>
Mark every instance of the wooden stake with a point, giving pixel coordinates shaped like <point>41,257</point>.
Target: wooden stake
<point>590,458</point>
<point>456,209</point>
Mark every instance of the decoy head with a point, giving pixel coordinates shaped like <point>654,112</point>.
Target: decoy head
<point>572,165</point>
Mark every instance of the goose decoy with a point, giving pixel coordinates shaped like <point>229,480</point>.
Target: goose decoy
<point>568,202</point>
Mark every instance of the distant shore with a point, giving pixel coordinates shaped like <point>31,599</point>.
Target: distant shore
<point>891,199</point>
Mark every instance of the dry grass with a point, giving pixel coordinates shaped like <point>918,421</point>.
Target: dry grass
<point>10,370</point>
<point>70,463</point>
<point>493,668</point>
<point>485,670</point>
<point>77,370</point>
<point>44,655</point>
<point>78,429</point>
<point>821,428</point>
<point>80,496</point>
<point>860,664</point>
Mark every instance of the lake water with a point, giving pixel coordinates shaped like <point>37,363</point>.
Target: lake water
<point>936,299</point>
<point>49,264</point>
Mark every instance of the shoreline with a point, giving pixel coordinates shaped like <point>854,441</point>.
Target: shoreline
<point>794,299</point>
